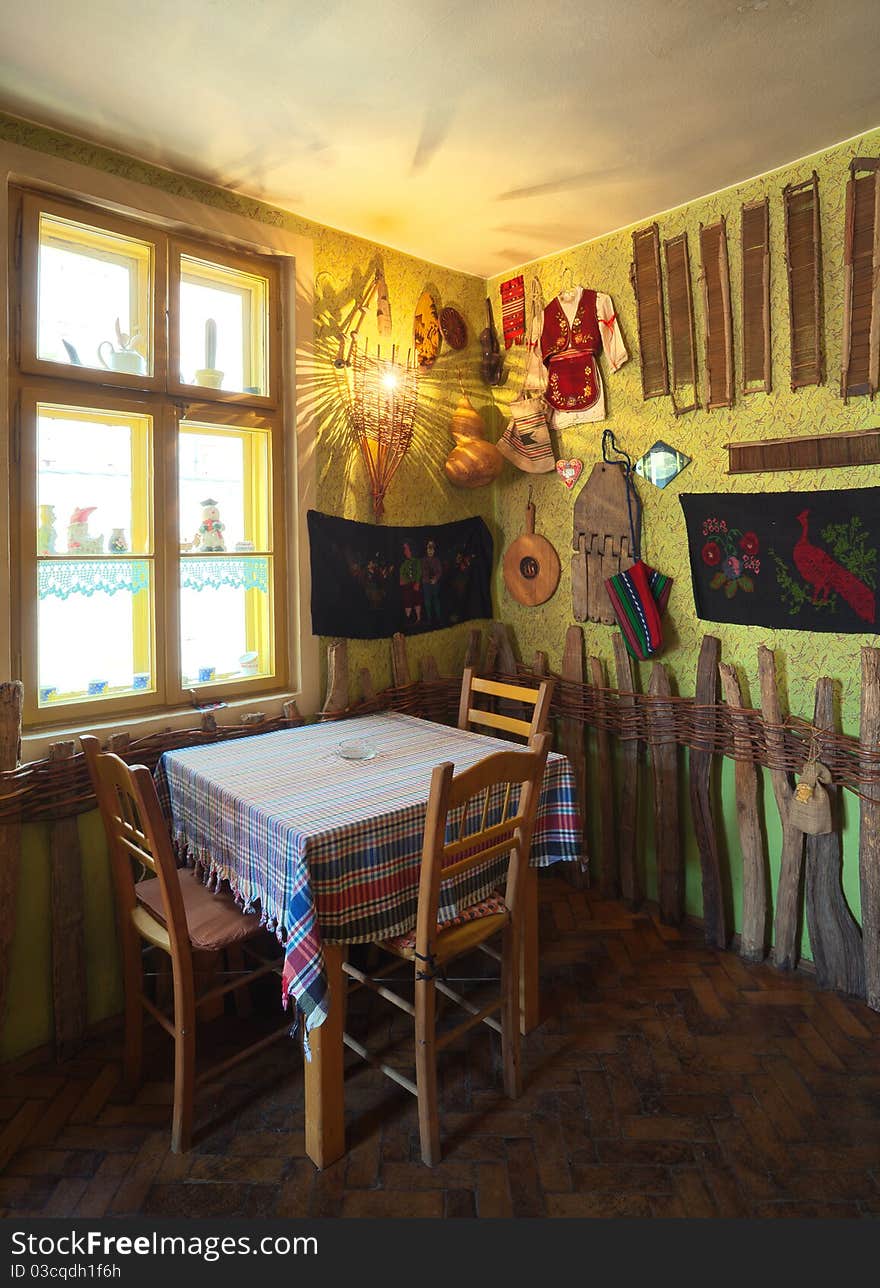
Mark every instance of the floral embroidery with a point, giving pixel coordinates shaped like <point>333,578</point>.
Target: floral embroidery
<point>736,552</point>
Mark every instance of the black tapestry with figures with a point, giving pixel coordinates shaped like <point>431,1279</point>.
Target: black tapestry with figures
<point>804,561</point>
<point>368,582</point>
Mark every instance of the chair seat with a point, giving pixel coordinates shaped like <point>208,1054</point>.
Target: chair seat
<point>214,921</point>
<point>493,906</point>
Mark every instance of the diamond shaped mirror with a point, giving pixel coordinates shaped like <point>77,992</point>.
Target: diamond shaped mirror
<point>661,464</point>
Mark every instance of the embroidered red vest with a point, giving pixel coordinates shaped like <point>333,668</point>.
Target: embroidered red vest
<point>569,353</point>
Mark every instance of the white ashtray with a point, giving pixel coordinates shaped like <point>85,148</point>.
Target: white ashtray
<point>356,749</point>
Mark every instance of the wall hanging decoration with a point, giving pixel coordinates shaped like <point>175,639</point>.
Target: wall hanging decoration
<point>644,273</point>
<point>427,336</point>
<point>453,327</point>
<point>803,258</point>
<point>565,341</point>
<point>474,461</point>
<point>860,364</point>
<point>717,322</point>
<point>755,307</point>
<point>209,536</point>
<point>805,452</point>
<point>569,471</point>
<point>382,396</point>
<point>369,582</point>
<point>531,565</point>
<point>802,561</point>
<point>602,539</point>
<point>349,329</point>
<point>809,809</point>
<point>491,357</point>
<point>526,440</point>
<point>513,311</point>
<point>638,595</point>
<point>661,464</point>
<point>682,334</point>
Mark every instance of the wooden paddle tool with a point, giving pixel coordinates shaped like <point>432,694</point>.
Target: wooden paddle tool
<point>531,565</point>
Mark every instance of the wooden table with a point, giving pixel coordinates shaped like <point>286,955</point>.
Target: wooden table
<point>330,849</point>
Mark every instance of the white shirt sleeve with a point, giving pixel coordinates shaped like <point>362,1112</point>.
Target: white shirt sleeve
<point>612,340</point>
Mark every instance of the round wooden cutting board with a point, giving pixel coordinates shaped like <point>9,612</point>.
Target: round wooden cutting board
<point>531,566</point>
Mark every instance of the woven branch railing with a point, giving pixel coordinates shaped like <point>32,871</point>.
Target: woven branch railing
<point>55,790</point>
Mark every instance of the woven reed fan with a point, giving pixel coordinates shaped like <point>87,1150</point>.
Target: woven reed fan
<point>382,406</point>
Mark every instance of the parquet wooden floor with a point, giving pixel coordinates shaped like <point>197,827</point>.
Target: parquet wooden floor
<point>666,1080</point>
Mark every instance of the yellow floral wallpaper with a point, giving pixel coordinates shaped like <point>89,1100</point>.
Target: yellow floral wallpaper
<point>637,424</point>
<point>801,657</point>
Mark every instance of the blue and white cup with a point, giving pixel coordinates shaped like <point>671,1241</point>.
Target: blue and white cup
<point>140,681</point>
<point>206,674</point>
<point>48,692</point>
<point>97,687</point>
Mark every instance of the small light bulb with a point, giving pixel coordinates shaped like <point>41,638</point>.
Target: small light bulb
<point>389,380</point>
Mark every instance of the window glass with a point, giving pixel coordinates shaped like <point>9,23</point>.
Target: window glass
<point>223,327</point>
<point>93,298</point>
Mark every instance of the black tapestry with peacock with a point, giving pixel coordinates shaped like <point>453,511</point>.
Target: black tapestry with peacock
<point>804,561</point>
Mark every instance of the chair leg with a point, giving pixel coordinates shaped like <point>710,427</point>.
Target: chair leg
<point>510,1013</point>
<point>184,1065</point>
<point>426,1070</point>
<point>133,982</point>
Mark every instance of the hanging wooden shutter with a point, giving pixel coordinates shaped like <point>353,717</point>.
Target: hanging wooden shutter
<point>682,339</point>
<point>718,324</point>
<point>755,231</point>
<point>861,310</point>
<point>646,282</point>
<point>803,253</point>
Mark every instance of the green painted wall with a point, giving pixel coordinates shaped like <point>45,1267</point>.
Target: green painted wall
<point>802,657</point>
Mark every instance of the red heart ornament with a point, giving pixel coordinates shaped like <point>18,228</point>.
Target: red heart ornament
<point>569,471</point>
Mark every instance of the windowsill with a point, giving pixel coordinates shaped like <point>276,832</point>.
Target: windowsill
<point>35,743</point>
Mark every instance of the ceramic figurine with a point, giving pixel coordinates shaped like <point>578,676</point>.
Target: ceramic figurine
<point>46,534</point>
<point>209,537</point>
<point>78,539</point>
<point>117,545</point>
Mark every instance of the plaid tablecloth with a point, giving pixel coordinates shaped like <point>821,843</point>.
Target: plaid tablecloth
<point>327,848</point>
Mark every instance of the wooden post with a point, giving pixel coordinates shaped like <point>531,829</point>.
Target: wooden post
<point>501,648</point>
<point>834,935</point>
<point>539,664</point>
<point>368,691</point>
<point>68,918</point>
<point>701,760</point>
<point>628,810</point>
<point>337,678</point>
<point>291,713</point>
<point>869,824</point>
<point>11,694</point>
<point>429,669</point>
<point>755,876</point>
<point>786,936</point>
<point>399,661</point>
<point>667,836</point>
<point>609,875</point>
<point>474,647</point>
<point>571,738</point>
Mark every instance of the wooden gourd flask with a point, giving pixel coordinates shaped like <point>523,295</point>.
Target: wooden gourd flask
<point>474,461</point>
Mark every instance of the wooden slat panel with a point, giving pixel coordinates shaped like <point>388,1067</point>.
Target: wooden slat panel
<point>755,233</point>
<point>667,834</point>
<point>68,923</point>
<point>682,335</point>
<point>628,810</point>
<point>869,825</point>
<point>755,874</point>
<point>805,452</point>
<point>701,763</point>
<point>609,874</point>
<point>861,322</point>
<point>803,254</point>
<point>647,285</point>
<point>718,336</point>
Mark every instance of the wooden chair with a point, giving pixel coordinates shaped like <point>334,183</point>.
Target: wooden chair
<point>174,912</point>
<point>539,699</point>
<point>488,786</point>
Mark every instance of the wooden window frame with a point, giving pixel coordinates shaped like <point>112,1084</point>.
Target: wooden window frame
<point>252,265</point>
<point>34,380</point>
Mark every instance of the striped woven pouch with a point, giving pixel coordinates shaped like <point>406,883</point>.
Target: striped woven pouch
<point>639,597</point>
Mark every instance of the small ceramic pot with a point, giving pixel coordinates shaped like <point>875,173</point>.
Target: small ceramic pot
<point>209,378</point>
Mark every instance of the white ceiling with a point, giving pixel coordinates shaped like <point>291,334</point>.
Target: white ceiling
<point>475,133</point>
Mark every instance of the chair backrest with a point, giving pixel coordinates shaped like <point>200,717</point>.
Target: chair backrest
<point>538,699</point>
<point>484,795</point>
<point>137,832</point>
